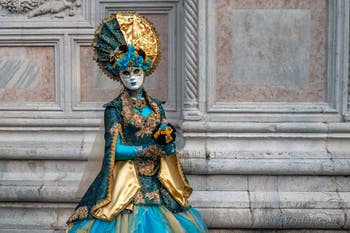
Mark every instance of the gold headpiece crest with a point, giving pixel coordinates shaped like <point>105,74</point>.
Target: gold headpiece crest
<point>125,28</point>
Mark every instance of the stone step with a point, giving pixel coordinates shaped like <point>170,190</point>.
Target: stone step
<point>66,192</point>
<point>51,217</point>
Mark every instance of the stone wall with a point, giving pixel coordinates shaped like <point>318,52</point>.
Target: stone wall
<point>259,89</point>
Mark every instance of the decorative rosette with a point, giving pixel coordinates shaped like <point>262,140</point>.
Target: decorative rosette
<point>123,40</point>
<point>164,134</point>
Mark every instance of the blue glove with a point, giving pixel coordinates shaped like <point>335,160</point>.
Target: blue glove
<point>170,149</point>
<point>163,126</point>
<point>125,152</point>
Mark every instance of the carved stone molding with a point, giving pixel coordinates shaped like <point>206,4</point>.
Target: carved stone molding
<point>346,60</point>
<point>191,60</point>
<point>35,8</point>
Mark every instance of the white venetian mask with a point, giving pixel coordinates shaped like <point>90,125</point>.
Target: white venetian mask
<point>132,78</point>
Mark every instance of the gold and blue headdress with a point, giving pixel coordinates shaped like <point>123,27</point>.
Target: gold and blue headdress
<point>124,40</point>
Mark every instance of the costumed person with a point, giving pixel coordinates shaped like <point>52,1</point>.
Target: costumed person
<point>141,186</point>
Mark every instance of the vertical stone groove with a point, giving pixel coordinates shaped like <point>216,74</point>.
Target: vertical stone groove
<point>191,54</point>
<point>349,71</point>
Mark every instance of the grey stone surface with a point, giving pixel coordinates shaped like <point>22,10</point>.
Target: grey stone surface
<point>277,231</point>
<point>263,183</point>
<point>270,166</point>
<point>50,143</point>
<point>347,220</point>
<point>342,183</point>
<point>34,217</point>
<point>322,219</point>
<point>226,218</point>
<point>275,43</point>
<point>220,199</point>
<point>308,183</point>
<point>218,182</point>
<point>253,189</point>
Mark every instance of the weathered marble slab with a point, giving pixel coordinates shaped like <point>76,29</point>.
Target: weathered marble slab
<point>19,73</point>
<point>27,74</point>
<point>271,47</point>
<point>271,51</point>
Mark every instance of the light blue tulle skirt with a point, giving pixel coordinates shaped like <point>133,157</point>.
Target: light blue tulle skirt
<point>145,219</point>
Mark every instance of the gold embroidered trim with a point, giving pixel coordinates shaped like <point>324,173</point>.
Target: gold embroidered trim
<point>115,130</point>
<point>138,199</point>
<point>155,196</point>
<point>153,151</point>
<point>145,124</point>
<point>141,199</point>
<point>146,168</point>
<point>80,213</point>
<point>139,104</point>
<point>117,127</point>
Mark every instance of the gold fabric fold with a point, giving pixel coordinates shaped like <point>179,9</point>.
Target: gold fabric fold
<point>172,177</point>
<point>123,183</point>
<point>125,187</point>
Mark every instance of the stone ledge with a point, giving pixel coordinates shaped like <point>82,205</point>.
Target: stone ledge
<point>270,200</point>
<point>274,231</point>
<point>225,166</point>
<point>187,126</point>
<point>254,127</point>
<point>66,192</point>
<point>46,217</point>
<point>232,166</point>
<point>275,218</point>
<point>54,172</point>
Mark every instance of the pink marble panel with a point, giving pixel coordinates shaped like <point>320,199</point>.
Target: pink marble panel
<point>157,83</point>
<point>27,74</point>
<point>96,87</point>
<point>229,91</point>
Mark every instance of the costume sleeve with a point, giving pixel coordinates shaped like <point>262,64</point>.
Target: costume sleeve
<point>112,117</point>
<point>98,190</point>
<point>125,152</point>
<point>113,122</point>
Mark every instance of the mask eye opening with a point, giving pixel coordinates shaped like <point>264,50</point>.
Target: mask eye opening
<point>125,72</point>
<point>136,71</point>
